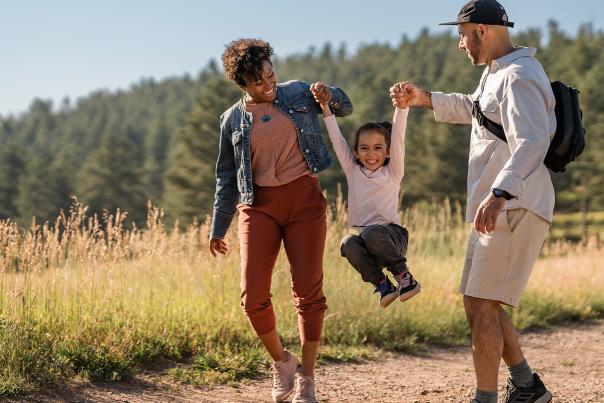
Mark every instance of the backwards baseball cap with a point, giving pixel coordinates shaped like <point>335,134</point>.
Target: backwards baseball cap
<point>488,12</point>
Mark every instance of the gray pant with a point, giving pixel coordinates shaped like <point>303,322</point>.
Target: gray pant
<point>376,247</point>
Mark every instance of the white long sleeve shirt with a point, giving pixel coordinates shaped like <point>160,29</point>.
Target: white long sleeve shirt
<point>517,95</point>
<point>373,196</point>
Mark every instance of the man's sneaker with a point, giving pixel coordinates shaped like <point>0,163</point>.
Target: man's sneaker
<point>305,389</point>
<point>284,373</point>
<point>408,287</point>
<point>388,292</point>
<point>536,394</point>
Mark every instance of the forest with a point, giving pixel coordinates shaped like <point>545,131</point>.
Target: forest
<point>157,140</point>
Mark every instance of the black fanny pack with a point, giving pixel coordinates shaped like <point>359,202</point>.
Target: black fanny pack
<point>569,140</point>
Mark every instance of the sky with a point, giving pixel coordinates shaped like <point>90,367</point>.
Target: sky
<point>61,48</point>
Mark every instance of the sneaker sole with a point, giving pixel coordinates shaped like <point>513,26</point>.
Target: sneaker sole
<point>546,398</point>
<point>410,294</point>
<point>283,396</point>
<point>388,299</point>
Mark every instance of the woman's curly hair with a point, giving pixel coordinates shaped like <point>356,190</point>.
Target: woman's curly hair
<point>243,58</point>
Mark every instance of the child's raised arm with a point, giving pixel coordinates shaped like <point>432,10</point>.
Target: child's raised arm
<point>322,95</point>
<point>397,140</point>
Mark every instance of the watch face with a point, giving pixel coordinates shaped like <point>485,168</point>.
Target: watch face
<point>498,193</point>
<point>501,193</point>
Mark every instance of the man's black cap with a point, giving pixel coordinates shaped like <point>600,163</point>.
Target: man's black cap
<point>488,12</point>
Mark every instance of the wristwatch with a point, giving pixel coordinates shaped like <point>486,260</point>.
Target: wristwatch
<point>502,193</point>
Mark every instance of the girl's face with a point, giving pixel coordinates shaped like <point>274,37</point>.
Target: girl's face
<point>264,89</point>
<point>372,150</point>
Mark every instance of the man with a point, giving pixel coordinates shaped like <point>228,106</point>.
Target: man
<point>510,193</point>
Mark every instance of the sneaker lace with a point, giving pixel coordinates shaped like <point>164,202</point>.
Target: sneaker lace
<point>406,280</point>
<point>303,386</point>
<point>277,380</point>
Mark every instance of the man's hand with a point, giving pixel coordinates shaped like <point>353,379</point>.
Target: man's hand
<point>218,245</point>
<point>406,94</point>
<point>488,211</point>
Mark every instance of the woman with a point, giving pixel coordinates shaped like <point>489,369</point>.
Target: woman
<point>271,150</point>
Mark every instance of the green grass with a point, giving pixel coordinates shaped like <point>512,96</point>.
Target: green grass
<point>100,305</point>
<point>567,226</point>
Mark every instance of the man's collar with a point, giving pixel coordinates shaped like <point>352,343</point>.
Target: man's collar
<point>506,60</point>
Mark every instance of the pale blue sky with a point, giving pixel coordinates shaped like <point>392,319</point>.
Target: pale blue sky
<point>51,49</point>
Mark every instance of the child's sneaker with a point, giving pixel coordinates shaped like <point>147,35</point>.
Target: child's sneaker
<point>407,286</point>
<point>388,292</point>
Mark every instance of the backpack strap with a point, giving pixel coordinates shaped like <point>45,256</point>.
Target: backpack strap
<point>487,123</point>
<point>482,120</point>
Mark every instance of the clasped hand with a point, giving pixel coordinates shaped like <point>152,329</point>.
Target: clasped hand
<point>321,92</point>
<point>400,93</point>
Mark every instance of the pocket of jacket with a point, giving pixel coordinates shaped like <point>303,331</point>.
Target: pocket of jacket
<point>237,144</point>
<point>302,108</point>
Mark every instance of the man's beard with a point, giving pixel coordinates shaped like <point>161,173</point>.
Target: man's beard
<point>474,50</point>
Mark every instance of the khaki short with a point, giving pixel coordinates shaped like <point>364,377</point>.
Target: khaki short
<point>498,265</point>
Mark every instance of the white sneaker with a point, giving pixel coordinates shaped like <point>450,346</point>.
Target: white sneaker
<point>305,389</point>
<point>284,373</point>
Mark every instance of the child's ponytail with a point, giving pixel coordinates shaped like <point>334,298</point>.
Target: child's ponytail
<point>388,127</point>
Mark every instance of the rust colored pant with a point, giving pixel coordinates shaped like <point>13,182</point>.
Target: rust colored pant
<point>294,213</point>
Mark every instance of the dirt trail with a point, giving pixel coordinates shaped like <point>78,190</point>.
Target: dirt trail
<point>571,359</point>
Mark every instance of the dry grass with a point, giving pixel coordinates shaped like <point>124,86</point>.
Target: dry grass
<point>91,298</point>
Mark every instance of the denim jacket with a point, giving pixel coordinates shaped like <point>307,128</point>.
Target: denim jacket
<point>234,166</point>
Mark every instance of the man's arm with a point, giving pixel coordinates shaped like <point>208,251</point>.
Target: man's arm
<point>452,108</point>
<point>527,133</point>
<point>449,108</point>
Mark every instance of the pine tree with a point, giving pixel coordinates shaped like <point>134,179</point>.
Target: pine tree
<point>12,167</point>
<point>41,191</point>
<point>112,178</point>
<point>190,180</point>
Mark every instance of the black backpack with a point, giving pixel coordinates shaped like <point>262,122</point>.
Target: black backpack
<point>569,139</point>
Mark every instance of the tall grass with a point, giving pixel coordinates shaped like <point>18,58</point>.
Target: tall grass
<point>87,297</point>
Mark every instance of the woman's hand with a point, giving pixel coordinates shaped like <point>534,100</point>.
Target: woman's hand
<point>218,245</point>
<point>322,94</point>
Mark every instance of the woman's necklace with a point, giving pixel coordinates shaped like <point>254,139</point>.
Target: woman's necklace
<point>265,116</point>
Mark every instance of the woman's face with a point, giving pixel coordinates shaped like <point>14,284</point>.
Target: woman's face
<point>264,89</point>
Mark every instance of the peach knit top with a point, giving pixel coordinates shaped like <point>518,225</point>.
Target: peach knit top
<point>276,156</point>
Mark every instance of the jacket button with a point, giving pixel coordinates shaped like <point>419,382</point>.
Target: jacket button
<point>307,151</point>
<point>290,111</point>
<point>314,169</point>
<point>301,130</point>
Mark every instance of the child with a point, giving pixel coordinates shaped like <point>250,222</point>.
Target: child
<point>374,171</point>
